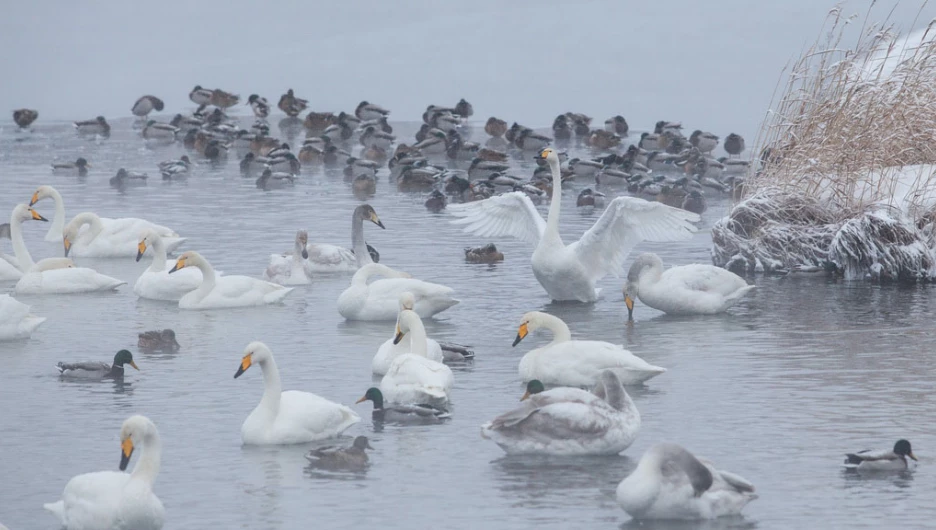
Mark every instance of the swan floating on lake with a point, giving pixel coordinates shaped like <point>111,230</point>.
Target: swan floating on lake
<point>291,268</point>
<point>218,292</point>
<point>412,377</point>
<point>330,258</point>
<point>379,300</point>
<point>155,283</point>
<point>116,239</point>
<point>16,322</point>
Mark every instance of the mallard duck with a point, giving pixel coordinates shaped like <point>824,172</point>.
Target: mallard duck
<point>649,142</point>
<point>734,144</point>
<point>98,125</point>
<point>486,254</point>
<point>617,125</point>
<point>145,105</point>
<point>93,369</point>
<point>495,127</point>
<point>128,179</point>
<point>291,105</point>
<point>259,105</point>
<point>602,139</point>
<point>705,142</point>
<point>444,121</point>
<point>882,460</point>
<point>416,179</point>
<point>164,340</point>
<point>154,130</point>
<point>371,137</point>
<point>436,201</point>
<point>333,156</point>
<point>367,111</point>
<point>435,143</point>
<point>482,169</point>
<point>200,96</point>
<point>24,117</point>
<point>492,155</point>
<point>671,483</point>
<point>316,122</point>
<point>275,181</point>
<point>590,198</point>
<point>78,167</point>
<point>514,131</point>
<point>364,185</point>
<point>175,169</point>
<point>287,161</point>
<point>401,413</point>
<point>585,168</point>
<point>186,123</point>
<point>216,149</point>
<point>694,202</point>
<point>332,457</point>
<point>310,154</point>
<point>222,99</point>
<point>530,141</point>
<point>663,126</point>
<point>581,124</point>
<point>561,128</point>
<point>464,109</point>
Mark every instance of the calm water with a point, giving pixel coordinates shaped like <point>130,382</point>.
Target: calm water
<point>776,390</point>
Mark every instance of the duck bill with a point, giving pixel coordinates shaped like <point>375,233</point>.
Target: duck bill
<point>244,365</point>
<point>399,336</point>
<point>141,248</point>
<point>525,396</point>
<point>911,455</point>
<point>126,449</point>
<point>521,334</point>
<point>629,302</point>
<point>135,367</point>
<point>362,400</point>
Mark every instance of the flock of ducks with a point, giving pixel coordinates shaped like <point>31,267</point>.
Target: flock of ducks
<point>576,402</point>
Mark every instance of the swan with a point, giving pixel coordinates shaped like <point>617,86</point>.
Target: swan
<point>51,275</point>
<point>155,283</point>
<point>291,268</point>
<point>569,421</point>
<point>9,272</point>
<point>216,292</point>
<point>412,377</point>
<point>379,300</point>
<point>577,363</point>
<point>570,272</point>
<point>687,289</point>
<point>108,499</point>
<point>882,460</point>
<point>671,483</point>
<point>391,349</point>
<point>55,233</point>
<point>288,417</point>
<point>98,370</point>
<point>16,322</point>
<point>117,239</point>
<point>330,258</point>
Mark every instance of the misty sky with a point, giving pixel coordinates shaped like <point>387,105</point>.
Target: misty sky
<point>711,65</point>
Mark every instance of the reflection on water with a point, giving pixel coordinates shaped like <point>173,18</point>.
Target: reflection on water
<point>803,371</point>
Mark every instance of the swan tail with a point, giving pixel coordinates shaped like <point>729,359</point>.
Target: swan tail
<point>30,323</point>
<point>58,508</point>
<point>733,298</point>
<point>278,295</point>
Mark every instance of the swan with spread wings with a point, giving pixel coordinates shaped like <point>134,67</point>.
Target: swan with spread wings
<point>569,272</point>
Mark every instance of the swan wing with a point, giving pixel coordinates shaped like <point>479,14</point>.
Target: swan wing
<point>511,214</point>
<point>304,416</point>
<point>626,222</point>
<point>706,278</point>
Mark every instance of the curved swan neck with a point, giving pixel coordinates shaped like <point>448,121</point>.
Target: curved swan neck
<point>92,220</point>
<point>361,255</point>
<point>555,324</point>
<point>147,467</point>
<point>159,254</point>
<point>373,269</point>
<point>23,258</point>
<point>208,276</point>
<point>272,388</point>
<point>58,221</point>
<point>417,333</point>
<point>552,223</point>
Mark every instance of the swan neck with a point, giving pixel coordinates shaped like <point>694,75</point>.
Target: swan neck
<point>272,388</point>
<point>147,467</point>
<point>560,329</point>
<point>552,223</point>
<point>372,269</point>
<point>361,255</point>
<point>94,224</point>
<point>417,333</point>
<point>58,220</point>
<point>23,258</point>
<point>208,277</point>
<point>159,255</point>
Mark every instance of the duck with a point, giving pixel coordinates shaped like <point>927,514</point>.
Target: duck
<point>155,283</point>
<point>367,111</point>
<point>882,460</point>
<point>650,142</point>
<point>664,126</point>
<point>672,483</point>
<point>397,413</point>
<point>734,144</point>
<point>24,117</point>
<point>570,272</point>
<point>259,105</point>
<point>577,363</point>
<point>585,168</point>
<point>98,370</point>
<point>379,300</point>
<point>290,417</point>
<point>589,198</point>
<point>392,348</point>
<point>581,124</point>
<point>222,99</point>
<point>464,109</point>
<point>436,202</point>
<point>160,132</point>
<point>364,186</point>
<point>617,125</point>
<point>568,421</point>
<point>603,139</point>
<point>413,377</point>
<point>486,254</point>
<point>291,268</point>
<point>108,499</point>
<point>291,105</point>
<point>51,275</point>
<point>336,458</point>
<point>371,137</point>
<point>128,179</point>
<point>270,180</point>
<point>326,258</point>
<point>705,142</point>
<point>528,140</point>
<point>78,167</point>
<point>16,321</point>
<point>696,289</point>
<point>118,238</point>
<point>316,122</point>
<point>97,126</point>
<point>495,127</point>
<point>146,104</point>
<point>694,202</point>
<point>216,150</point>
<point>158,340</point>
<point>434,143</point>
<point>562,129</point>
<point>176,169</point>
<point>219,292</point>
<point>200,96</point>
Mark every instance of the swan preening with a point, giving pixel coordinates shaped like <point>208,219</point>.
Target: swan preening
<point>570,272</point>
<point>413,378</point>
<point>686,289</point>
<point>577,363</point>
<point>569,421</point>
<point>217,292</point>
<point>16,322</point>
<point>379,300</point>
<point>289,417</point>
<point>117,500</point>
<point>116,239</point>
<point>323,257</point>
<point>291,268</point>
<point>671,483</point>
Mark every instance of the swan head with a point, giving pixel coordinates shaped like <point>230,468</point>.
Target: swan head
<point>147,238</point>
<point>529,323</point>
<point>647,261</point>
<point>407,301</point>
<point>187,259</point>
<point>45,192</point>
<point>366,213</point>
<point>70,232</point>
<point>302,240</point>
<point>533,387</point>
<point>255,352</point>
<point>549,155</point>
<point>132,433</point>
<point>23,212</point>
<point>405,324</point>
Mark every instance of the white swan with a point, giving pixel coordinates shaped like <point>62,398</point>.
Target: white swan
<point>288,417</point>
<point>51,275</point>
<point>577,363</point>
<point>16,322</point>
<point>671,483</point>
<point>9,272</point>
<point>111,499</point>
<point>217,292</point>
<point>412,377</point>
<point>155,283</point>
<point>570,272</point>
<point>116,239</point>
<point>55,232</point>
<point>686,289</point>
<point>568,421</point>
<point>391,349</point>
<point>379,300</point>
<point>330,258</point>
<point>291,268</point>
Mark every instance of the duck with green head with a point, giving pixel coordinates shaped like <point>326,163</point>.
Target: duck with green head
<point>402,413</point>
<point>96,369</point>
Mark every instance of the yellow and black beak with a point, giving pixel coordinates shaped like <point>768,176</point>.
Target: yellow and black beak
<point>35,198</point>
<point>135,367</point>
<point>521,333</point>
<point>126,449</point>
<point>36,216</point>
<point>910,454</point>
<point>68,245</point>
<point>141,248</point>
<point>399,335</point>
<point>180,264</point>
<point>376,220</point>
<point>244,365</point>
<point>629,302</point>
